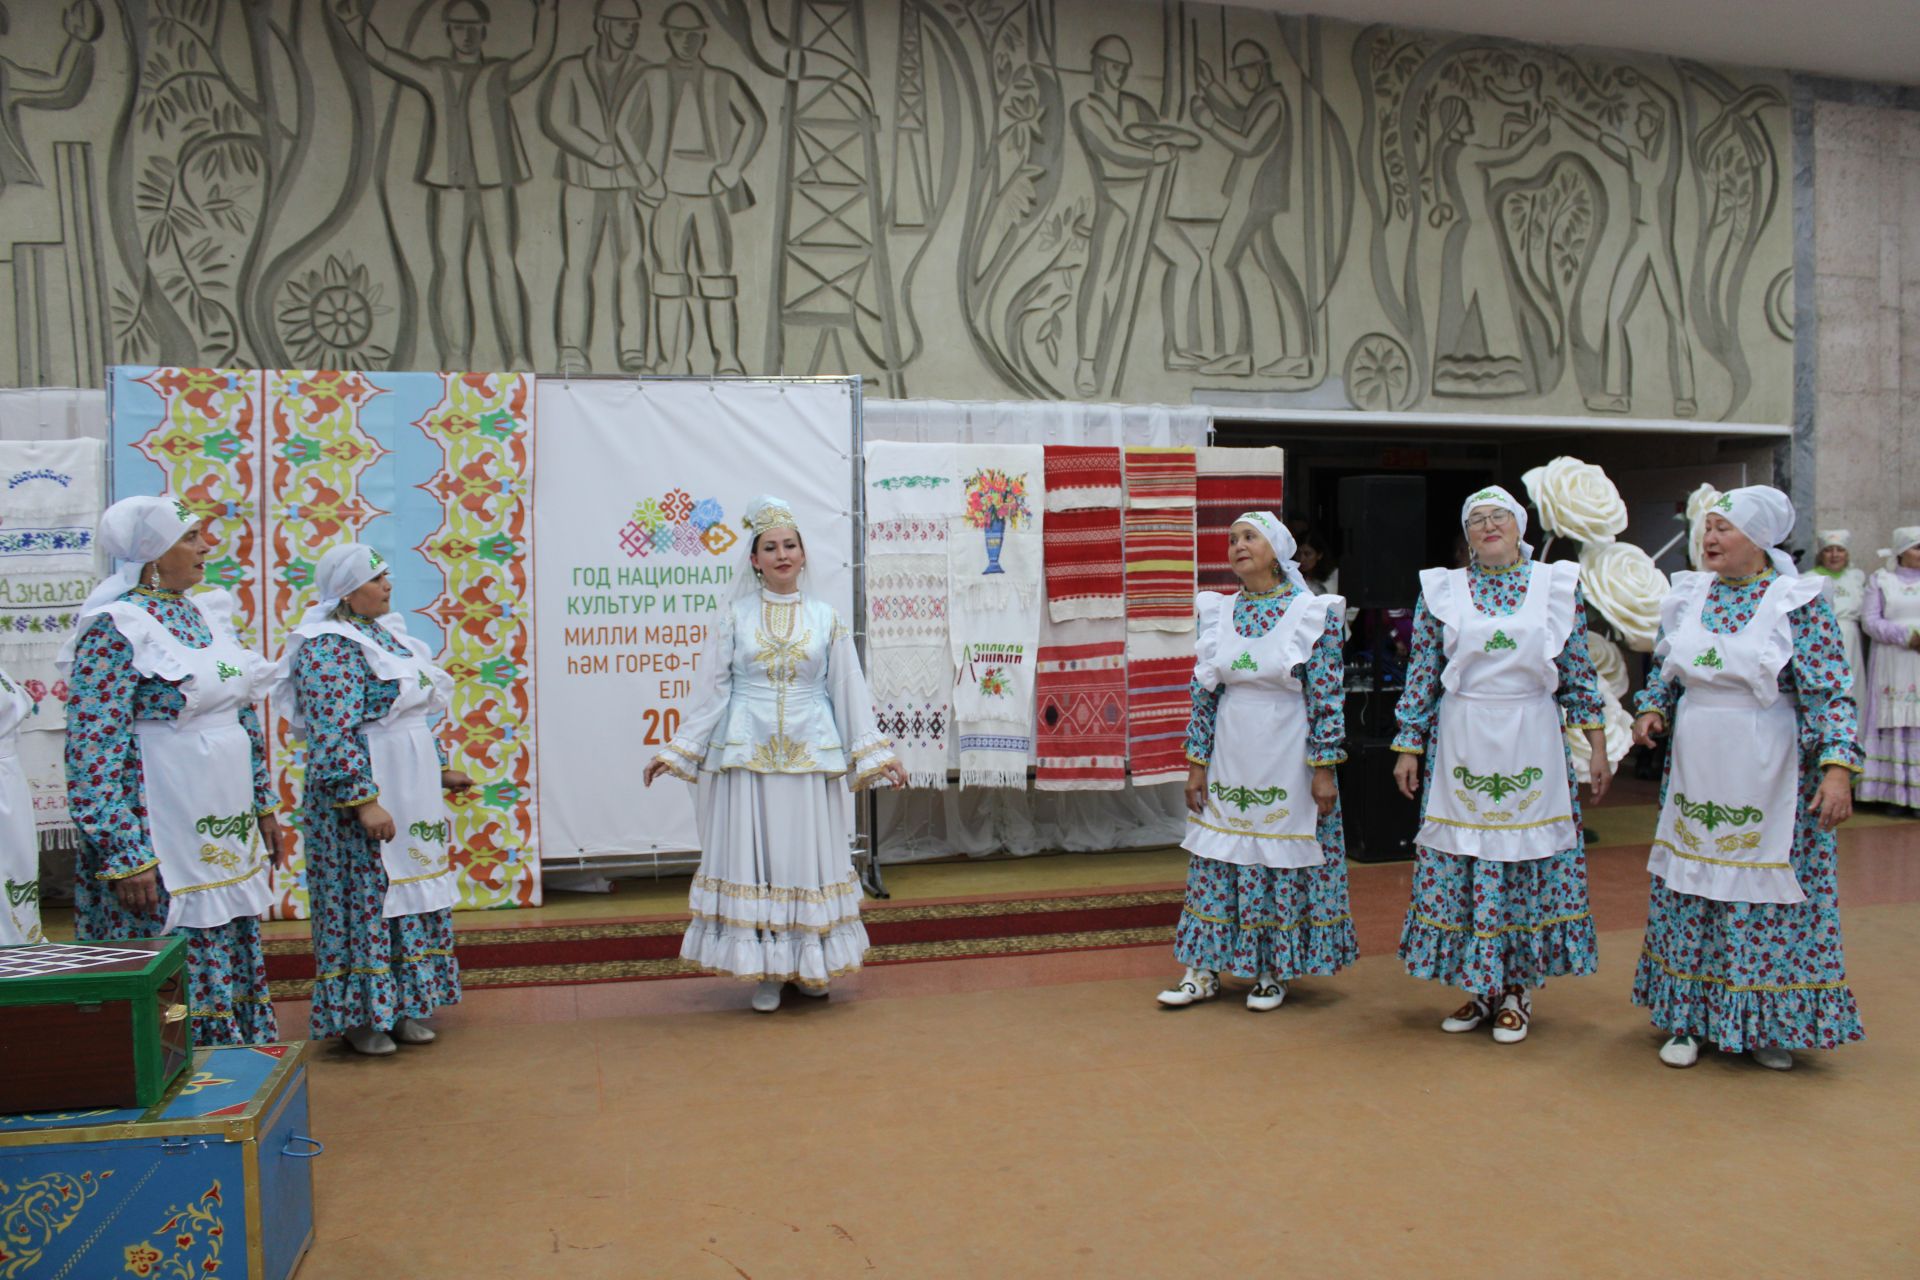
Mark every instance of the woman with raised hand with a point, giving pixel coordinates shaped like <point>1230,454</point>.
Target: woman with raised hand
<point>780,735</point>
<point>378,834</point>
<point>1743,923</point>
<point>167,767</point>
<point>1267,883</point>
<point>1500,874</point>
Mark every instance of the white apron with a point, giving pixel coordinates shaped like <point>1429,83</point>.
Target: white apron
<point>19,850</point>
<point>1848,596</point>
<point>1497,787</point>
<point>406,769</point>
<point>1895,685</point>
<point>1726,829</point>
<point>197,770</point>
<point>1260,809</point>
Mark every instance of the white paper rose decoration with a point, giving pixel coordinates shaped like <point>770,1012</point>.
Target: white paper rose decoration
<point>1576,500</point>
<point>1623,584</point>
<point>1697,504</point>
<point>1610,663</point>
<point>1619,731</point>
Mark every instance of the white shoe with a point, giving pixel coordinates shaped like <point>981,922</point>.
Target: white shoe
<point>812,993</point>
<point>1516,1011</point>
<point>1681,1051</point>
<point>1467,1016</point>
<point>1773,1059</point>
<point>1194,986</point>
<point>766,996</point>
<point>1268,991</point>
<point>370,1041</point>
<point>413,1031</point>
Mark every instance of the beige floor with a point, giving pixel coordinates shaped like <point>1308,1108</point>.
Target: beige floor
<point>1066,1127</point>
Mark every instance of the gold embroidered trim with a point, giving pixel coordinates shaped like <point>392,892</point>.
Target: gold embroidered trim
<point>777,893</point>
<point>1193,759</point>
<point>1252,835</point>
<point>374,971</point>
<point>1720,862</point>
<point>676,768</point>
<point>1504,826</point>
<point>683,753</point>
<point>127,875</point>
<point>258,867</point>
<point>1646,953</point>
<point>1488,935</point>
<point>1844,764</point>
<point>1408,751</point>
<point>864,780</point>
<point>369,798</point>
<point>820,930</point>
<point>794,978</point>
<point>431,875</point>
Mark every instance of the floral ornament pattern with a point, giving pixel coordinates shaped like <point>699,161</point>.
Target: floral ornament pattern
<point>1712,815</point>
<point>675,523</point>
<point>1379,374</point>
<point>1244,798</point>
<point>993,682</point>
<point>995,498</point>
<point>1497,641</point>
<point>1498,786</point>
<point>1710,659</point>
<point>328,317</point>
<point>34,1211</point>
<point>187,1244</point>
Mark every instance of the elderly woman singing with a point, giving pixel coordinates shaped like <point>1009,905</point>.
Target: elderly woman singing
<point>1500,876</point>
<point>1743,925</point>
<point>1267,884</point>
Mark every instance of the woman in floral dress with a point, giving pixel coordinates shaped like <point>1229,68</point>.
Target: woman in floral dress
<point>1743,925</point>
<point>779,736</point>
<point>166,768</point>
<point>376,824</point>
<point>1267,883</point>
<point>1500,873</point>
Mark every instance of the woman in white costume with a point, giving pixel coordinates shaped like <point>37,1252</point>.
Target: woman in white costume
<point>1267,884</point>
<point>1846,589</point>
<point>19,849</point>
<point>167,767</point>
<point>1890,700</point>
<point>1500,875</point>
<point>1743,922</point>
<point>781,716</point>
<point>364,694</point>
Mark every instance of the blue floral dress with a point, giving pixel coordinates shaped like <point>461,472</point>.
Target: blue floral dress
<point>1763,975</point>
<point>226,971</point>
<point>1249,920</point>
<point>1475,923</point>
<point>369,970</point>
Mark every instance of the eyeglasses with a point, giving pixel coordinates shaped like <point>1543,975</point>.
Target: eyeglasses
<point>1490,520</point>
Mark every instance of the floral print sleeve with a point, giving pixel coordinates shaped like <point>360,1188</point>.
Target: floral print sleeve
<point>1660,695</point>
<point>1206,707</point>
<point>1325,683</point>
<point>1579,692</point>
<point>1421,698</point>
<point>330,677</point>
<point>265,802</point>
<point>1829,720</point>
<point>101,754</point>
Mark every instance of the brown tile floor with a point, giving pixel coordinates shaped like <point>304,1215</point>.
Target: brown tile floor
<point>1040,1117</point>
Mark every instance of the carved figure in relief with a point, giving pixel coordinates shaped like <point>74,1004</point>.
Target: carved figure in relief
<point>471,160</point>
<point>586,108</point>
<point>1132,157</point>
<point>700,125</point>
<point>1478,350</point>
<point>1255,125</point>
<point>55,90</point>
<point>1645,146</point>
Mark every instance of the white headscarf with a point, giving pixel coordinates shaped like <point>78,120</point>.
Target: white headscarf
<point>1765,515</point>
<point>1280,540</point>
<point>1825,538</point>
<point>764,514</point>
<point>134,532</point>
<point>1494,496</point>
<point>342,571</point>
<point>1905,538</point>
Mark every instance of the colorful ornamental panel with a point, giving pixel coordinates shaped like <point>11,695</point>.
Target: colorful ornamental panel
<point>434,470</point>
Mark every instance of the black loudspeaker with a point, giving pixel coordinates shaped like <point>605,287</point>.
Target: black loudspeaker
<point>1383,527</point>
<point>1380,822</point>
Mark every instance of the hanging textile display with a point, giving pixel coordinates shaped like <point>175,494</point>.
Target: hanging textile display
<point>433,468</point>
<point>1158,707</point>
<point>1159,570</point>
<point>1227,483</point>
<point>1080,719</point>
<point>1082,476</point>
<point>996,572</point>
<point>50,503</point>
<point>913,496</point>
<point>1085,557</point>
<point>1160,478</point>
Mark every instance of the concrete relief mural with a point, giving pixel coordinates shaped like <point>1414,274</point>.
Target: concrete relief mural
<point>972,198</point>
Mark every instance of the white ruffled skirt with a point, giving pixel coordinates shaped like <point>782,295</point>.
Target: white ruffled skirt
<point>776,896</point>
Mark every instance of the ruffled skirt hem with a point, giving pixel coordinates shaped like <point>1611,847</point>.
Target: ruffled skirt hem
<point>1804,1017</point>
<point>805,958</point>
<point>1309,948</point>
<point>412,989</point>
<point>1470,959</point>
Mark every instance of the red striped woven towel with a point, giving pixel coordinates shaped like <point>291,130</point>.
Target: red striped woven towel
<point>1230,483</point>
<point>1084,553</point>
<point>1158,705</point>
<point>1159,570</point>
<point>1159,477</point>
<point>1080,739</point>
<point>1082,476</point>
